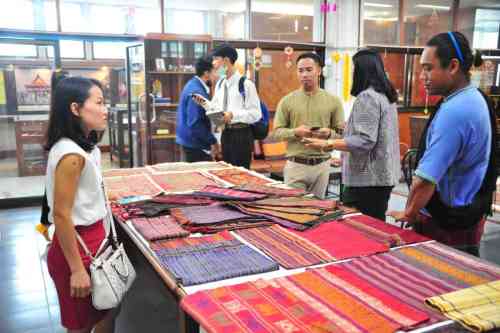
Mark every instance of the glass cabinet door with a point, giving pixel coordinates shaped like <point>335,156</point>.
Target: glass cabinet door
<point>137,110</point>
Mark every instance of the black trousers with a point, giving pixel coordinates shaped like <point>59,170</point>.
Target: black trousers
<point>237,146</point>
<point>371,200</point>
<point>194,155</point>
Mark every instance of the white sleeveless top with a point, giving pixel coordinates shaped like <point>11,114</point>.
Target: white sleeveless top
<point>90,205</point>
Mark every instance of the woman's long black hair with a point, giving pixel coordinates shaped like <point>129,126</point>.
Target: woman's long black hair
<point>62,122</point>
<point>369,72</point>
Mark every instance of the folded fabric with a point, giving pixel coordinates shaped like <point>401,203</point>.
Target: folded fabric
<point>239,177</point>
<point>383,232</point>
<point>155,228</point>
<point>204,263</point>
<point>298,202</point>
<point>201,215</point>
<point>272,190</point>
<point>295,218</point>
<point>314,301</point>
<point>291,210</point>
<point>415,273</point>
<point>181,181</point>
<point>178,243</point>
<point>476,308</point>
<point>325,243</point>
<point>182,199</point>
<point>222,193</point>
<point>133,185</point>
<point>229,226</point>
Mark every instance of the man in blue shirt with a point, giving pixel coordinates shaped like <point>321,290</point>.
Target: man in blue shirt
<point>452,190</point>
<point>194,130</point>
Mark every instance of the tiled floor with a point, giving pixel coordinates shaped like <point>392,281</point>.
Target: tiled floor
<point>28,302</point>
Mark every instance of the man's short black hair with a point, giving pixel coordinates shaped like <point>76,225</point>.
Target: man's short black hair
<point>202,65</point>
<point>310,55</point>
<point>226,50</point>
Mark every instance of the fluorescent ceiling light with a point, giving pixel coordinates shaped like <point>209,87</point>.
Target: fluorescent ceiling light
<point>382,19</point>
<point>380,5</point>
<point>433,7</point>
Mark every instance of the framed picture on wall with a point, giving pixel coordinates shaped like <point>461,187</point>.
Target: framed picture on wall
<point>160,64</point>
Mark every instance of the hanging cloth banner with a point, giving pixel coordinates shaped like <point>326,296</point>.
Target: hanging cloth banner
<point>346,78</point>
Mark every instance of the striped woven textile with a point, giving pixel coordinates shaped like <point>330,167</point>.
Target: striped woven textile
<point>382,231</point>
<point>311,302</point>
<point>298,202</point>
<point>191,241</point>
<point>222,193</point>
<point>272,190</point>
<point>182,181</point>
<point>182,200</point>
<point>476,308</point>
<point>201,215</point>
<point>239,177</point>
<point>197,264</point>
<point>155,228</point>
<point>133,185</point>
<point>229,226</point>
<point>415,273</point>
<point>326,243</point>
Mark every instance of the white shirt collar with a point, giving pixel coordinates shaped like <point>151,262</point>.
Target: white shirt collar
<point>233,79</point>
<point>204,84</point>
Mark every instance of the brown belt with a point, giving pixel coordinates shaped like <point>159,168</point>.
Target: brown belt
<point>237,125</point>
<point>308,160</point>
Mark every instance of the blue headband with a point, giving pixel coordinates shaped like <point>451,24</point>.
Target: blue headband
<point>457,48</point>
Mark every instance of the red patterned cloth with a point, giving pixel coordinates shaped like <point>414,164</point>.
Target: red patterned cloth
<point>134,185</point>
<point>183,166</point>
<point>239,177</point>
<point>382,231</point>
<point>326,243</point>
<point>182,181</point>
<point>272,190</point>
<point>161,227</point>
<point>320,300</point>
<point>223,193</point>
<point>190,241</point>
<point>125,172</point>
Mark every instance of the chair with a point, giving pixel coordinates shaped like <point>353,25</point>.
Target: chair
<point>409,164</point>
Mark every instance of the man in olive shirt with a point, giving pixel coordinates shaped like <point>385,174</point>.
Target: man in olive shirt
<point>308,112</point>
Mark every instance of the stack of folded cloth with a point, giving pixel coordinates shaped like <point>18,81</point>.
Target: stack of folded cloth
<point>210,258</point>
<point>222,193</point>
<point>271,190</point>
<point>216,217</point>
<point>156,228</point>
<point>295,213</point>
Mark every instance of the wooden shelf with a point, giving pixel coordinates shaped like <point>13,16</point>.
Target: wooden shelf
<point>171,73</point>
<point>167,105</point>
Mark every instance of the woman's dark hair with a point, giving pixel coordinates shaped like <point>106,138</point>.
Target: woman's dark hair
<point>62,122</point>
<point>445,51</point>
<point>369,72</point>
<point>310,55</point>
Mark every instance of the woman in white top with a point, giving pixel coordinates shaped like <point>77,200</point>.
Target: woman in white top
<point>76,199</point>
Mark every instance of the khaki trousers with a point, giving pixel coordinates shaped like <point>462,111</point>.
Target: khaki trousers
<point>312,178</point>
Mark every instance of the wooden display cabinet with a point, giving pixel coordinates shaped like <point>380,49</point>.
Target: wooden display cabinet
<point>31,162</point>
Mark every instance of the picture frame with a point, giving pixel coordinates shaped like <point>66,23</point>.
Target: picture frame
<point>160,64</point>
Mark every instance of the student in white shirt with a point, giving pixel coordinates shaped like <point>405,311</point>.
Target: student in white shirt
<point>241,109</point>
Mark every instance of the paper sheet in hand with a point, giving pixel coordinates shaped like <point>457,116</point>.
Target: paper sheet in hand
<point>217,117</point>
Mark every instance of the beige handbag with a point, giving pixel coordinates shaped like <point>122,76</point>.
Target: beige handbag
<point>111,272</point>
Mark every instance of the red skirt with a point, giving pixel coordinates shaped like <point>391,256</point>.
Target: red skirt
<point>76,313</point>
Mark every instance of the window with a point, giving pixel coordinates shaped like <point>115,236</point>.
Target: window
<point>380,22</point>
<point>221,19</point>
<point>110,50</point>
<point>297,21</point>
<point>17,50</point>
<point>479,21</point>
<point>72,49</point>
<point>421,21</point>
<point>133,17</point>
<point>29,15</point>
<point>394,64</point>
